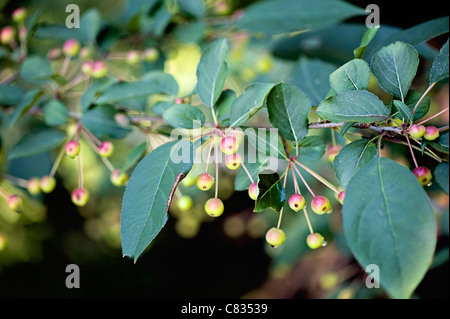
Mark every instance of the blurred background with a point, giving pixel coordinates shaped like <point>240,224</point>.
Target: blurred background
<point>194,256</point>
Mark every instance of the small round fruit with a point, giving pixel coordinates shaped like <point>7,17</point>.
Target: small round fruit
<point>72,149</point>
<point>118,178</point>
<point>80,196</point>
<point>229,145</point>
<point>416,131</point>
<point>151,55</point>
<point>205,181</point>
<point>33,186</point>
<point>275,237</point>
<point>133,58</point>
<point>431,133</point>
<point>106,149</point>
<point>214,207</point>
<point>315,240</point>
<point>7,35</point>
<point>320,205</point>
<point>99,69</point>
<point>184,203</point>
<point>297,202</point>
<point>47,184</point>
<point>71,47</point>
<point>188,181</point>
<point>341,197</point>
<point>233,161</point>
<point>19,14</point>
<point>423,175</point>
<point>15,202</point>
<point>253,191</point>
<point>86,67</point>
<point>332,152</point>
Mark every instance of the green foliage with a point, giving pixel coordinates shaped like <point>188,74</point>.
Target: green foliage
<point>271,193</point>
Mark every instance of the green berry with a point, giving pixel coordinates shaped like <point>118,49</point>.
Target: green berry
<point>19,14</point>
<point>47,184</point>
<point>275,237</point>
<point>33,186</point>
<point>118,178</point>
<point>99,69</point>
<point>214,207</point>
<point>133,58</point>
<point>423,175</point>
<point>297,202</point>
<point>151,55</point>
<point>15,202</point>
<point>233,161</point>
<point>205,181</point>
<point>431,133</point>
<point>71,47</point>
<point>416,131</point>
<point>184,203</point>
<point>320,205</point>
<point>315,240</point>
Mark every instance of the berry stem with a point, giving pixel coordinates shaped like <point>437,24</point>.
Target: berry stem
<point>15,180</point>
<point>246,170</point>
<point>106,161</point>
<point>57,162</point>
<point>4,193</point>
<point>308,221</point>
<point>411,150</point>
<point>318,177</point>
<point>296,188</point>
<point>89,136</point>
<point>216,154</point>
<point>303,180</point>
<point>433,116</point>
<point>284,186</point>
<point>80,171</point>
<point>65,65</point>
<point>209,152</point>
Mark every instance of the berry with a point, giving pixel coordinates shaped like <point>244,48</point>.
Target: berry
<point>341,197</point>
<point>151,55</point>
<point>7,35</point>
<point>118,178</point>
<point>416,131</point>
<point>214,207</point>
<point>99,69</point>
<point>106,149</point>
<point>423,175</point>
<point>19,14</point>
<point>72,149</point>
<point>333,151</point>
<point>86,68</point>
<point>297,202</point>
<point>395,122</point>
<point>80,197</point>
<point>71,47</point>
<point>33,186</point>
<point>184,203</point>
<point>188,181</point>
<point>315,240</point>
<point>233,161</point>
<point>133,58</point>
<point>253,191</point>
<point>275,237</point>
<point>431,133</point>
<point>229,145</point>
<point>205,181</point>
<point>320,205</point>
<point>86,53</point>
<point>47,184</point>
<point>15,202</point>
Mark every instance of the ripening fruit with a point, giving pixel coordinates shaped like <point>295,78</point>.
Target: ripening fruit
<point>33,186</point>
<point>106,149</point>
<point>229,145</point>
<point>184,203</point>
<point>72,149</point>
<point>188,181</point>
<point>15,202</point>
<point>133,58</point>
<point>99,69</point>
<point>151,55</point>
<point>118,178</point>
<point>423,175</point>
<point>214,207</point>
<point>395,122</point>
<point>80,196</point>
<point>19,14</point>
<point>205,181</point>
<point>275,237</point>
<point>86,67</point>
<point>47,184</point>
<point>416,131</point>
<point>71,47</point>
<point>431,133</point>
<point>315,240</point>
<point>297,202</point>
<point>253,191</point>
<point>333,151</point>
<point>233,161</point>
<point>320,205</point>
<point>341,197</point>
<point>7,35</point>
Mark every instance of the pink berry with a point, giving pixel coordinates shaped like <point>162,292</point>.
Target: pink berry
<point>416,131</point>
<point>233,161</point>
<point>106,149</point>
<point>71,47</point>
<point>423,175</point>
<point>204,181</point>
<point>99,69</point>
<point>431,133</point>
<point>320,205</point>
<point>214,207</point>
<point>315,240</point>
<point>118,178</point>
<point>341,197</point>
<point>229,145</point>
<point>72,149</point>
<point>333,151</point>
<point>80,197</point>
<point>7,35</point>
<point>14,202</point>
<point>19,14</point>
<point>47,184</point>
<point>275,237</point>
<point>253,191</point>
<point>297,202</point>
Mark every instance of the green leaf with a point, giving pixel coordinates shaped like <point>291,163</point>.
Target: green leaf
<point>212,72</point>
<point>249,102</point>
<point>37,142</point>
<point>133,156</point>
<point>90,22</point>
<point>311,148</point>
<point>311,76</point>
<point>395,67</point>
<point>439,69</point>
<point>101,122</point>
<point>36,70</point>
<point>388,221</point>
<point>441,144</point>
<point>366,39</point>
<point>28,100</point>
<point>223,105</point>
<point>241,181</point>
<point>353,75</point>
<point>424,106</point>
<point>351,158</point>
<point>271,193</point>
<point>184,116</point>
<point>404,110</point>
<point>195,8</point>
<point>288,109</point>
<point>94,90</point>
<point>441,176</point>
<point>266,142</point>
<point>280,16</point>
<point>353,106</point>
<point>55,113</point>
<point>148,193</point>
<point>10,95</point>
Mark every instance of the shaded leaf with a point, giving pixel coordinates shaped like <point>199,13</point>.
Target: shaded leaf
<point>271,193</point>
<point>36,143</point>
<point>184,116</point>
<point>353,75</point>
<point>439,69</point>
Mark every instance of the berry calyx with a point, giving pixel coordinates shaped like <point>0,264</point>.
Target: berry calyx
<point>80,197</point>
<point>315,240</point>
<point>320,205</point>
<point>214,207</point>
<point>72,149</point>
<point>423,175</point>
<point>297,202</point>
<point>106,149</point>
<point>99,69</point>
<point>15,202</point>
<point>71,47</point>
<point>205,181</point>
<point>416,131</point>
<point>118,178</point>
<point>253,191</point>
<point>233,161</point>
<point>47,184</point>
<point>229,145</point>
<point>275,237</point>
<point>33,186</point>
<point>332,152</point>
<point>184,203</point>
<point>431,133</point>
